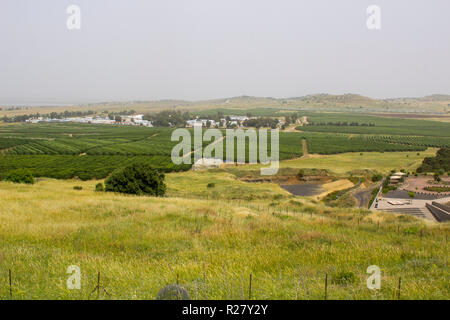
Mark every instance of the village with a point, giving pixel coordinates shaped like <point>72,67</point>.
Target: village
<point>231,121</point>
<point>132,120</point>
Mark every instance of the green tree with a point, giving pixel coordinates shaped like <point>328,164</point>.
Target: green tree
<point>20,176</point>
<point>139,178</point>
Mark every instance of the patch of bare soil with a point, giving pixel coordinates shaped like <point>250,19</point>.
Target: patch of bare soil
<point>288,180</point>
<point>305,149</point>
<point>418,184</point>
<point>304,190</point>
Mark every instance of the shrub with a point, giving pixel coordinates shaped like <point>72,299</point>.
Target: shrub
<point>211,185</point>
<point>20,176</point>
<point>139,178</point>
<point>377,177</point>
<point>173,292</point>
<point>411,194</point>
<point>437,189</point>
<point>436,177</point>
<point>99,187</point>
<point>77,188</point>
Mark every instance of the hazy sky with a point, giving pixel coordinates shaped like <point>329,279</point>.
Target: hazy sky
<point>200,49</point>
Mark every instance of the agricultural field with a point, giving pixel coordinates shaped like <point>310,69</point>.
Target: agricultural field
<point>381,125</point>
<point>93,151</point>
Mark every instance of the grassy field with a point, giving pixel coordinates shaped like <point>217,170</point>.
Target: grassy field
<point>140,244</point>
<point>347,163</point>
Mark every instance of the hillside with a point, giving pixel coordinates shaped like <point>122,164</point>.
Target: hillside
<point>210,247</point>
<point>437,103</point>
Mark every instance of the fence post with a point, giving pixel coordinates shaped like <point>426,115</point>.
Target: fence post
<point>204,279</point>
<point>10,283</point>
<point>250,288</point>
<point>98,284</point>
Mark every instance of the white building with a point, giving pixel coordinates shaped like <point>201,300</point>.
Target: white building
<point>207,163</point>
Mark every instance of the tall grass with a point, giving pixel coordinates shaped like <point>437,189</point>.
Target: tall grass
<point>141,244</point>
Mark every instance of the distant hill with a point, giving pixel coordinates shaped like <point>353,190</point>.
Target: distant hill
<point>347,98</point>
<point>348,102</point>
<point>436,97</point>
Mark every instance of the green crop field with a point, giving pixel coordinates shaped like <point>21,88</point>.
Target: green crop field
<point>93,151</point>
<point>382,125</point>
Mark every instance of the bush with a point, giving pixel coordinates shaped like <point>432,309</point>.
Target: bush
<point>377,177</point>
<point>436,177</point>
<point>173,292</point>
<point>78,188</point>
<point>139,178</point>
<point>99,187</point>
<point>211,185</point>
<point>20,176</point>
<point>411,194</point>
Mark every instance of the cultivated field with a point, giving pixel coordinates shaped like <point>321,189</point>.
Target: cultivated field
<point>346,163</point>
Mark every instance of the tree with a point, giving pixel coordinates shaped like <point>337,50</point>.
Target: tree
<point>436,177</point>
<point>20,176</point>
<point>139,178</point>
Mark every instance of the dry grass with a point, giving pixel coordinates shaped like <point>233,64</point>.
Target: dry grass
<point>141,244</point>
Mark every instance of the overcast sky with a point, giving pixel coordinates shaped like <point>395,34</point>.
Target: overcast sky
<point>201,49</point>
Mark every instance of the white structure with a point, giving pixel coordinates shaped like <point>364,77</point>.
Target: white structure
<point>207,163</point>
<point>201,123</point>
<point>239,118</point>
<point>395,179</point>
